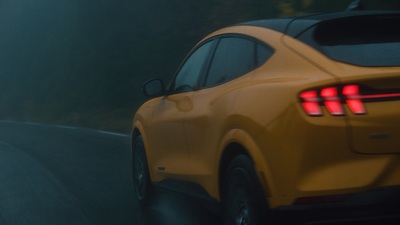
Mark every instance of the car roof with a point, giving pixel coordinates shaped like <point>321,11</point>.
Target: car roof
<point>294,26</point>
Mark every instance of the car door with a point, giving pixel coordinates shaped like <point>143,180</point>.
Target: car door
<point>168,115</point>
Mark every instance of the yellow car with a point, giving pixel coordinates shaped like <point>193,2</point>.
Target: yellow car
<point>276,118</point>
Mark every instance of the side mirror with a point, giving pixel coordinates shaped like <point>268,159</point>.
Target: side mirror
<point>154,88</point>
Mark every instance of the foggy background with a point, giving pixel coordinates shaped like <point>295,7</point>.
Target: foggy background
<point>82,62</point>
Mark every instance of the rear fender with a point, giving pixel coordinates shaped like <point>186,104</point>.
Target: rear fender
<point>238,136</point>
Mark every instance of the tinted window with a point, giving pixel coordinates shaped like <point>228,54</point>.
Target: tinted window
<point>188,76</point>
<point>234,57</point>
<point>263,53</point>
<point>364,41</point>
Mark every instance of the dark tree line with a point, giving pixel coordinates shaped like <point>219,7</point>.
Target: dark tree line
<point>82,63</point>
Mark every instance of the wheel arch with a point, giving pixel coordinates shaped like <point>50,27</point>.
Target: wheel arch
<point>135,134</point>
<point>238,142</point>
<point>231,151</point>
<point>137,130</point>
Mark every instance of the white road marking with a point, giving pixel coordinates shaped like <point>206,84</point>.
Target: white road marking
<point>113,133</point>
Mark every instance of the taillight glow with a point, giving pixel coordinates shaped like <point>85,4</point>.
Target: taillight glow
<point>353,99</point>
<point>310,103</point>
<point>334,98</point>
<point>380,96</point>
<point>332,101</point>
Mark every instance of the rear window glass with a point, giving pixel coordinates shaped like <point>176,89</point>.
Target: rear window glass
<point>364,41</point>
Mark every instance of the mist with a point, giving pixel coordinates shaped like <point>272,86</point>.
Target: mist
<point>82,63</point>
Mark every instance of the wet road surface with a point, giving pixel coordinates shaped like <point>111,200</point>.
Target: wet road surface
<point>55,175</point>
<point>65,175</point>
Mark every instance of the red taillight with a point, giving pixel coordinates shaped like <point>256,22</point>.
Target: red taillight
<point>310,103</point>
<point>353,99</point>
<point>333,99</point>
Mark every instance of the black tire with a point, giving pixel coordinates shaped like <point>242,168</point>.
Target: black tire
<point>141,176</point>
<point>243,199</point>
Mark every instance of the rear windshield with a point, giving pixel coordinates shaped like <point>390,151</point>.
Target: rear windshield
<point>364,41</point>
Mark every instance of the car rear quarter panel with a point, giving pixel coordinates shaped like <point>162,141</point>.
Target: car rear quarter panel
<point>266,118</point>
<point>378,131</point>
<point>311,156</point>
<point>294,154</point>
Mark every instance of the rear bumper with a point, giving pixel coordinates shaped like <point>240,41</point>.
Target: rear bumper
<point>381,206</point>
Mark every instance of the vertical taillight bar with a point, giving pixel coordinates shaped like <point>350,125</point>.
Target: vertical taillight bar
<point>310,103</point>
<point>353,98</point>
<point>332,101</point>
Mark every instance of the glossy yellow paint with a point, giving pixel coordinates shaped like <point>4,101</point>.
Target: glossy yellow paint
<point>295,155</point>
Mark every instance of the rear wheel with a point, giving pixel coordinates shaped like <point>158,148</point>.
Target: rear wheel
<point>141,175</point>
<point>243,199</point>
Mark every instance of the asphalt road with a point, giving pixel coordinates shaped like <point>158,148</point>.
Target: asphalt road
<point>64,175</point>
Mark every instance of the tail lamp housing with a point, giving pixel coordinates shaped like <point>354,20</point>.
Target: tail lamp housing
<point>333,99</point>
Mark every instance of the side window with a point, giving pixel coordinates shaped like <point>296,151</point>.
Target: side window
<point>263,54</point>
<point>234,57</point>
<point>188,76</point>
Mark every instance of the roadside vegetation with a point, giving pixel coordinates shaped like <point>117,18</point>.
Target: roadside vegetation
<point>82,63</point>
